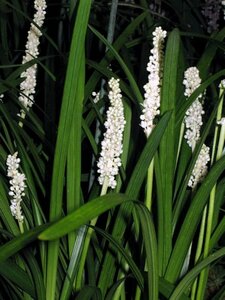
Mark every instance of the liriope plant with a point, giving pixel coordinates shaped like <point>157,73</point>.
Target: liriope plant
<point>149,223</point>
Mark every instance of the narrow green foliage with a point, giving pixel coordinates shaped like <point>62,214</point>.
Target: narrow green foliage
<point>191,221</point>
<point>133,188</point>
<point>71,107</point>
<point>139,240</point>
<point>150,242</point>
<point>167,153</point>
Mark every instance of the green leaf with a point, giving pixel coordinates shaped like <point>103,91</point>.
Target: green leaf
<point>150,243</point>
<point>133,189</point>
<point>120,41</point>
<point>83,215</point>
<point>17,276</point>
<point>70,109</point>
<point>167,148</point>
<point>89,292</point>
<point>189,278</point>
<point>18,243</point>
<point>192,218</point>
<point>210,52</point>
<point>134,269</point>
<point>126,70</point>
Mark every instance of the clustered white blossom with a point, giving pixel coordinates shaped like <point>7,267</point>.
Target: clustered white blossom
<point>193,117</point>
<point>27,87</point>
<point>200,168</point>
<point>17,187</point>
<point>151,102</point>
<point>193,123</point>
<point>211,11</point>
<point>112,147</point>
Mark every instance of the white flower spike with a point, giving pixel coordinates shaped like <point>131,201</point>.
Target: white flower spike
<point>200,168</point>
<point>17,187</point>
<point>193,117</point>
<point>27,87</point>
<point>112,147</point>
<point>151,102</point>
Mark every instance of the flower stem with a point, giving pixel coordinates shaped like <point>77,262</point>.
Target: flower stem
<point>204,273</point>
<point>21,227</point>
<point>87,241</point>
<point>199,250</point>
<point>148,199</point>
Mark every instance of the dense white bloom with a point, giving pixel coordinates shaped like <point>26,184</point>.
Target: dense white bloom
<point>200,168</point>
<point>112,147</point>
<point>151,102</point>
<point>17,185</point>
<point>27,87</point>
<point>211,11</point>
<point>193,117</point>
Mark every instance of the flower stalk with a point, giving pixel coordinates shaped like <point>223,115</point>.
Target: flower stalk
<point>206,228</point>
<point>109,161</point>
<point>151,104</point>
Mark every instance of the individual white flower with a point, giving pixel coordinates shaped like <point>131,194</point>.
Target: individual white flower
<point>211,11</point>
<point>96,97</point>
<point>200,168</point>
<point>17,186</point>
<point>221,121</point>
<point>27,87</point>
<point>193,116</point>
<point>151,102</point>
<point>222,82</point>
<point>112,147</point>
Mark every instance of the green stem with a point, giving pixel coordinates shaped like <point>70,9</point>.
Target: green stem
<point>21,227</point>
<point>22,115</point>
<point>180,141</point>
<point>138,293</point>
<point>87,241</point>
<point>199,250</point>
<point>204,273</point>
<point>148,199</point>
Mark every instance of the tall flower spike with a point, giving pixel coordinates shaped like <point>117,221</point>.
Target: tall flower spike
<point>193,117</point>
<point>200,168</point>
<point>27,87</point>
<point>112,147</point>
<point>17,187</point>
<point>151,102</point>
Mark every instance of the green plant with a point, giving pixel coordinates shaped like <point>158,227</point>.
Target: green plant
<point>146,237</point>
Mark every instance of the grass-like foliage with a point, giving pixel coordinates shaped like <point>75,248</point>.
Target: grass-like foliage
<point>112,131</point>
